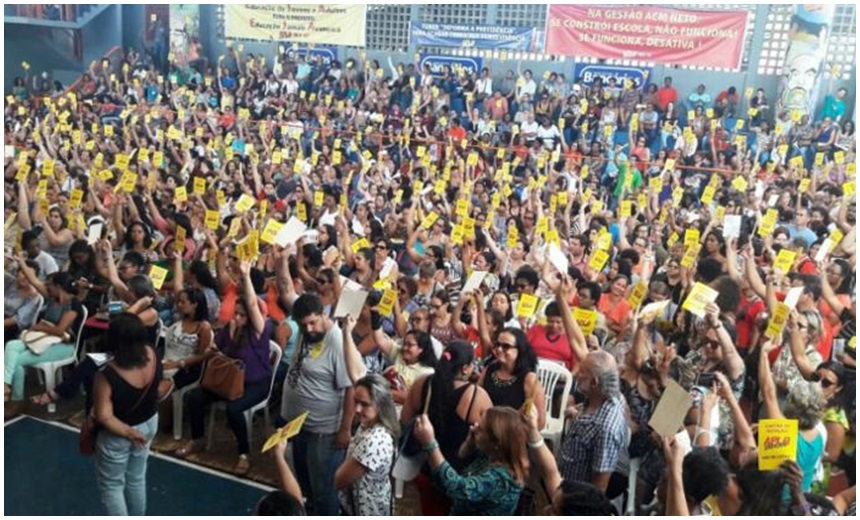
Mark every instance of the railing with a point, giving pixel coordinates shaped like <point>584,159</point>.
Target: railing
<point>50,12</point>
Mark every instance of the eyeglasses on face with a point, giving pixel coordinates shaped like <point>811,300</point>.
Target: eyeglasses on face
<point>500,345</point>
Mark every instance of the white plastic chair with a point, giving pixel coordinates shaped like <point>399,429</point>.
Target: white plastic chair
<point>550,373</point>
<point>51,370</point>
<point>275,354</point>
<point>178,395</point>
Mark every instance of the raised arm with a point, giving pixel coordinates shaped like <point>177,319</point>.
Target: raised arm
<point>254,314</point>
<point>732,360</point>
<point>355,367</point>
<point>766,384</point>
<point>574,334</point>
<point>798,348</point>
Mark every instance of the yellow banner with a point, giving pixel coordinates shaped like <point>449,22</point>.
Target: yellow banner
<point>334,24</point>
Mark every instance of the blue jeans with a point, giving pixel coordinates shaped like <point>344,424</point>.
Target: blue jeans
<point>316,462</point>
<point>121,470</point>
<point>18,356</point>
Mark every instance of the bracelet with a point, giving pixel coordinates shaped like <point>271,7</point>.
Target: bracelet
<point>537,445</point>
<point>431,446</point>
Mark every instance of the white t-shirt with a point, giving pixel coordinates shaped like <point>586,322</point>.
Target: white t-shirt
<point>529,87</point>
<point>529,128</point>
<point>547,135</point>
<point>484,86</point>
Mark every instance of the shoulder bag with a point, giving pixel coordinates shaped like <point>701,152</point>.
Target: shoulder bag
<point>224,377</point>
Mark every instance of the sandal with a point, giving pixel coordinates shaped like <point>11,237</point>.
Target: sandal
<point>190,448</point>
<point>42,399</point>
<point>242,466</point>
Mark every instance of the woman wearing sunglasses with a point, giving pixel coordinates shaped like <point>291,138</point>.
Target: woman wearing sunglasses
<point>511,379</point>
<point>830,375</point>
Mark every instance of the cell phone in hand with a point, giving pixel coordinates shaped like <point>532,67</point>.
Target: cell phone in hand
<point>705,379</point>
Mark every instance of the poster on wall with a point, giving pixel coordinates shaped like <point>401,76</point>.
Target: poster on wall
<point>333,24</point>
<point>648,33</point>
<point>804,58</point>
<point>589,72</point>
<point>184,29</point>
<point>472,36</point>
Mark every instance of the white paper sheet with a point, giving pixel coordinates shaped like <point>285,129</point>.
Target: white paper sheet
<point>291,232</point>
<point>793,296</point>
<point>671,410</point>
<point>558,259</point>
<point>474,281</point>
<point>732,226</point>
<point>350,303</point>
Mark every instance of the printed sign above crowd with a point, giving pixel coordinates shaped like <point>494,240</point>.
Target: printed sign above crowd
<point>437,64</point>
<point>589,73</point>
<point>333,24</point>
<point>472,36</point>
<point>648,33</point>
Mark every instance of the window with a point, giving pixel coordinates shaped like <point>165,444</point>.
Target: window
<point>775,43</point>
<point>842,45</point>
<point>522,15</point>
<point>454,13</point>
<point>388,27</point>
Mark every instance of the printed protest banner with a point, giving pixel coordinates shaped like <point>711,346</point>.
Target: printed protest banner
<point>647,33</point>
<point>334,24</point>
<point>471,36</point>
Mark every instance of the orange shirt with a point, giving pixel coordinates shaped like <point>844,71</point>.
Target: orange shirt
<point>615,312</point>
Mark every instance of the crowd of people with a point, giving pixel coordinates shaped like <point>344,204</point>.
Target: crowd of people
<point>153,196</point>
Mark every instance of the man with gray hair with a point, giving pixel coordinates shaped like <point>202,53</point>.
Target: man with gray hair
<point>599,434</point>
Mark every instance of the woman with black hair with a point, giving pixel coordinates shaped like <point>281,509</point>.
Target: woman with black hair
<point>327,237</point>
<point>511,379</point>
<point>410,360</point>
<point>62,315</point>
<point>200,278</point>
<point>138,238</point>
<point>453,404</point>
<point>714,247</point>
<point>364,267</point>
<point>840,278</point>
<point>82,268</point>
<point>246,338</point>
<point>188,342</point>
<point>126,398</point>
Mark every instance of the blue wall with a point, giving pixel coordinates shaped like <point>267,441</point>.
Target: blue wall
<point>102,33</point>
<point>51,49</point>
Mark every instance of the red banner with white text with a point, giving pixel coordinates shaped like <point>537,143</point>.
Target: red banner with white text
<point>648,33</point>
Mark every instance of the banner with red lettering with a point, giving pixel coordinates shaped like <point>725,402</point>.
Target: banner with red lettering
<point>648,33</point>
